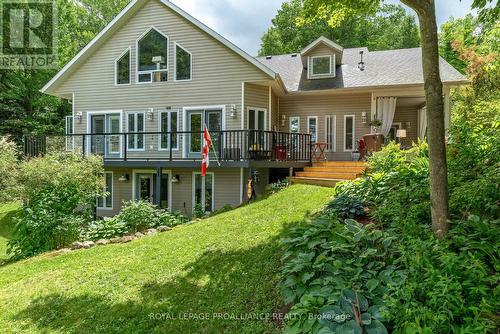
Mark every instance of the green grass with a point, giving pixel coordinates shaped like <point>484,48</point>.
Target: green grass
<point>229,263</point>
<point>7,213</point>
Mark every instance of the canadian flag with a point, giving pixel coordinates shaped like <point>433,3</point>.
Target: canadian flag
<point>207,143</point>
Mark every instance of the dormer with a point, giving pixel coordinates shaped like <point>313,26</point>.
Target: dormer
<point>321,57</point>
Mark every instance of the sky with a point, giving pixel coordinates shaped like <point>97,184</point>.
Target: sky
<point>244,22</point>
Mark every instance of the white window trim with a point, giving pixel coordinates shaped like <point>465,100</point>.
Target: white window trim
<point>311,75</point>
<point>317,126</point>
<point>137,72</point>
<point>257,110</point>
<point>168,111</point>
<point>202,190</point>
<point>290,123</point>
<point>69,137</point>
<point>129,67</point>
<point>111,193</point>
<point>184,122</point>
<point>106,112</point>
<point>177,45</point>
<point>353,133</point>
<point>152,172</point>
<point>334,125</point>
<point>135,113</point>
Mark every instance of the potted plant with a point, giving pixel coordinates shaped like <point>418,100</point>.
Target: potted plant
<point>375,123</point>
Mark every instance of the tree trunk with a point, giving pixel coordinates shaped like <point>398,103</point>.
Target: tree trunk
<point>435,115</point>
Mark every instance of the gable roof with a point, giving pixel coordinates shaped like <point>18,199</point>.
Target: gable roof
<point>325,41</point>
<point>127,12</point>
<point>382,68</point>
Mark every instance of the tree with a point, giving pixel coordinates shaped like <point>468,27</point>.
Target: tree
<point>462,30</point>
<point>335,11</point>
<point>23,108</point>
<point>390,27</point>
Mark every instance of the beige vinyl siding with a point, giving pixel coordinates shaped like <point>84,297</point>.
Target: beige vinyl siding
<point>404,115</point>
<point>226,185</point>
<point>256,96</point>
<point>339,105</point>
<point>275,112</point>
<point>320,50</point>
<point>217,71</point>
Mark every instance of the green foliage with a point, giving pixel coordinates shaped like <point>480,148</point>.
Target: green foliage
<point>199,211</point>
<point>8,169</point>
<point>278,186</point>
<point>141,215</point>
<point>58,192</point>
<point>49,222</point>
<point>106,228</point>
<point>389,28</point>
<point>225,208</point>
<point>138,215</point>
<point>326,257</point>
<point>346,206</point>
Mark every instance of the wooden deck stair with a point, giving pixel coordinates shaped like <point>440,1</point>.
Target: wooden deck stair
<point>328,173</point>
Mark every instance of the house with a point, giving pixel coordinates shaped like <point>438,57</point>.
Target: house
<point>144,87</point>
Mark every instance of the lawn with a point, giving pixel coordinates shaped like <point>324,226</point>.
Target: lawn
<point>228,264</point>
<point>7,213</point>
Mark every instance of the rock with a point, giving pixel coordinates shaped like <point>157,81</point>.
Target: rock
<point>164,228</point>
<point>116,240</point>
<point>139,235</point>
<point>61,251</point>
<point>76,245</point>
<point>152,231</point>
<point>88,244</point>
<point>127,238</point>
<point>102,242</point>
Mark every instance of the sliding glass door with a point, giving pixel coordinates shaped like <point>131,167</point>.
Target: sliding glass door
<point>105,139</point>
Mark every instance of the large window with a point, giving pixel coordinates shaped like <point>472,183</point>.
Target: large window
<point>312,128</point>
<point>203,191</point>
<point>331,132</point>
<point>107,201</point>
<point>349,133</point>
<point>152,57</point>
<point>135,127</point>
<point>183,63</point>
<point>123,68</point>
<point>169,125</point>
<point>321,66</point>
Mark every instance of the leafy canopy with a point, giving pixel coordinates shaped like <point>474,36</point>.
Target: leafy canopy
<point>386,27</point>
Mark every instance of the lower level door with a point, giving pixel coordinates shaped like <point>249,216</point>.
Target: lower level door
<point>145,188</point>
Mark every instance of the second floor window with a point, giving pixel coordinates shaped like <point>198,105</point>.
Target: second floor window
<point>152,57</point>
<point>123,69</point>
<point>182,63</point>
<point>135,126</point>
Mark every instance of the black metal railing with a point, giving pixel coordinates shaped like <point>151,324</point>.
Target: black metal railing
<point>228,145</point>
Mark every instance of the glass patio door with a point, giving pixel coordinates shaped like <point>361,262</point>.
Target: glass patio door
<point>196,120</point>
<point>105,139</point>
<point>113,141</point>
<point>257,121</point>
<point>97,127</point>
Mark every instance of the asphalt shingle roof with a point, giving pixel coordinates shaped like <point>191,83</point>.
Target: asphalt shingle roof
<point>382,68</point>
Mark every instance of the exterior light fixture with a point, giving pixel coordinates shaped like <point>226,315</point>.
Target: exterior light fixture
<point>361,64</point>
<point>233,111</point>
<point>79,116</point>
<point>408,125</point>
<point>150,114</point>
<point>364,119</point>
<point>123,178</point>
<point>176,178</point>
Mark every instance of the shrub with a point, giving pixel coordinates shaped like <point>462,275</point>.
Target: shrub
<point>49,222</point>
<point>199,211</point>
<point>106,228</point>
<point>8,169</point>
<point>171,219</point>
<point>278,186</point>
<point>138,215</point>
<point>58,192</point>
<point>346,206</point>
<point>225,208</point>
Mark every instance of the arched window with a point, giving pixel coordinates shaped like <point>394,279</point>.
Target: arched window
<point>152,57</point>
